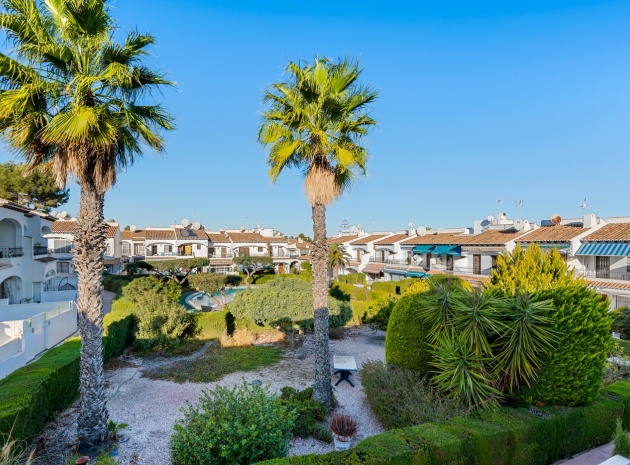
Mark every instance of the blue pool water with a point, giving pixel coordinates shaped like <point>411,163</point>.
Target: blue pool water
<point>201,298</point>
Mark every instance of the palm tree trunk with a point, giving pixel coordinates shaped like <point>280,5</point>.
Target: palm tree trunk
<point>88,261</point>
<point>322,391</point>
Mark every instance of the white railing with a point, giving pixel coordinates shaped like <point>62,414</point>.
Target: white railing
<point>10,348</point>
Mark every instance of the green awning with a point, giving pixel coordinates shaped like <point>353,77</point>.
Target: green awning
<point>420,249</point>
<point>416,274</point>
<point>453,250</point>
<point>395,271</point>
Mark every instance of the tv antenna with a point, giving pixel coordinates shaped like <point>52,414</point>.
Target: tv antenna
<point>519,204</point>
<point>583,205</point>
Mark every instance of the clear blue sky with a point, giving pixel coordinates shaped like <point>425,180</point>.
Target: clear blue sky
<point>478,100</point>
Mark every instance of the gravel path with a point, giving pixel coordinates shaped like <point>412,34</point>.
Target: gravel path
<point>152,407</point>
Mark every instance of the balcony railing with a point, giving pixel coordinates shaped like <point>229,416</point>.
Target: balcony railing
<point>227,254</point>
<point>390,261</point>
<point>10,252</point>
<point>605,274</point>
<point>65,249</point>
<point>286,255</point>
<point>40,250</point>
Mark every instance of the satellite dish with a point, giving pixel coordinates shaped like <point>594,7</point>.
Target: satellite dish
<point>185,223</point>
<point>421,230</point>
<point>257,226</point>
<point>221,231</point>
<point>54,213</point>
<point>556,219</point>
<point>354,229</point>
<point>133,228</point>
<point>490,218</point>
<point>519,224</point>
<point>410,224</point>
<point>359,226</point>
<point>242,228</point>
<point>196,225</point>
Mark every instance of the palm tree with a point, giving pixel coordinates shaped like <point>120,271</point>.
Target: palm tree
<point>338,258</point>
<point>71,99</point>
<point>315,122</point>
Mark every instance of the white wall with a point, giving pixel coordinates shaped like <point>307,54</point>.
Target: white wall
<point>25,311</point>
<point>59,296</point>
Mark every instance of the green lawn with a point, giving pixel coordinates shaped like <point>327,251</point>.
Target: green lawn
<point>217,362</point>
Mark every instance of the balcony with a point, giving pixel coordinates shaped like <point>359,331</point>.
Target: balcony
<point>390,261</point>
<point>282,254</point>
<point>605,274</point>
<point>11,252</point>
<point>40,250</point>
<point>226,254</point>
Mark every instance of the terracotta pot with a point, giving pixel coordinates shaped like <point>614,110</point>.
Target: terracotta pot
<point>82,460</point>
<point>342,442</point>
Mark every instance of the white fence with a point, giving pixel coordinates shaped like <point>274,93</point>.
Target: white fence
<point>22,340</point>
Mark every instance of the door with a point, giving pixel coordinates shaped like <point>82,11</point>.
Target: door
<point>602,267</point>
<point>188,249</point>
<point>280,268</point>
<point>37,292</point>
<point>222,252</point>
<point>476,264</point>
<point>243,251</point>
<point>449,263</point>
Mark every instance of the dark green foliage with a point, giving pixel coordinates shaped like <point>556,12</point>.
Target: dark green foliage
<point>503,436</point>
<point>310,413</point>
<point>235,426</point>
<point>621,322</point>
<point>115,283</point>
<point>353,278</point>
<point>306,266</point>
<point>622,441</point>
<point>282,299</point>
<point>137,288</point>
<point>32,394</point>
<point>380,320</point>
<point>394,287</point>
<point>400,397</point>
<point>572,372</point>
<point>407,339</point>
<point>37,188</point>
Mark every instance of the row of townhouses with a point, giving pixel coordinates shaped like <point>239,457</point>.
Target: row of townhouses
<point>596,248</point>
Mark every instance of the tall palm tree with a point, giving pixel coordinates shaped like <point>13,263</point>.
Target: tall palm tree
<point>71,99</point>
<point>338,258</point>
<point>315,121</point>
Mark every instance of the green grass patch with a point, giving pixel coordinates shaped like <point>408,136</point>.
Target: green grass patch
<point>217,362</point>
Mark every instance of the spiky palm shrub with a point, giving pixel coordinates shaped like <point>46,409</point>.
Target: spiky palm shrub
<point>315,122</point>
<point>71,100</point>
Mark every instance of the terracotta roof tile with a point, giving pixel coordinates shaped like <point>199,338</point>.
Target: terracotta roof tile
<point>555,233</point>
<point>366,239</point>
<point>217,237</point>
<point>341,239</point>
<point>159,234</point>
<point>191,234</point>
<point>126,235</point>
<point>614,285</point>
<point>64,226</point>
<point>437,239</point>
<point>392,239</point>
<point>610,232</point>
<point>494,237</point>
<point>111,230</point>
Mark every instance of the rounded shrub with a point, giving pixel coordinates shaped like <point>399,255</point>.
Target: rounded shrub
<point>238,426</point>
<point>407,338</point>
<point>572,371</point>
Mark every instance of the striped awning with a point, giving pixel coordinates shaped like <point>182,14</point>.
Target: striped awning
<point>373,269</point>
<point>395,271</point>
<point>420,249</point>
<point>605,249</point>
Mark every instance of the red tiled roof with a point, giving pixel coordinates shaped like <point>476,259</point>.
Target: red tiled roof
<point>110,231</point>
<point>191,234</point>
<point>438,239</point>
<point>367,239</point>
<point>159,234</point>
<point>242,237</point>
<point>217,237</point>
<point>610,232</point>
<point>557,233</point>
<point>392,239</point>
<point>494,237</point>
<point>341,239</point>
<point>64,226</point>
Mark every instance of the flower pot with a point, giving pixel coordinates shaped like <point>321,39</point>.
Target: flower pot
<point>342,442</point>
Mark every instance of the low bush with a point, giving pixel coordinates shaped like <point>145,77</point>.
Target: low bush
<point>32,394</point>
<point>161,322</point>
<point>310,413</point>
<point>353,278</point>
<point>235,426</point>
<point>400,397</point>
<point>380,320</point>
<point>140,287</point>
<point>503,436</point>
<point>115,283</point>
<point>420,286</point>
<point>622,441</point>
<point>394,287</point>
<point>407,339</point>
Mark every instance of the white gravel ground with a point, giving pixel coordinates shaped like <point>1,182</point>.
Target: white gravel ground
<point>152,407</point>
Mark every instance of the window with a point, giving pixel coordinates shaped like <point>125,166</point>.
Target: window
<point>168,248</point>
<point>63,267</point>
<point>126,248</point>
<point>260,249</point>
<point>198,246</point>
<point>109,250</point>
<point>494,261</point>
<point>623,301</point>
<point>62,246</point>
<point>628,264</point>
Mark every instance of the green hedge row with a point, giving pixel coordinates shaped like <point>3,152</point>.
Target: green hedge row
<point>361,294</point>
<point>505,436</point>
<point>353,278</point>
<point>392,286</point>
<point>30,395</point>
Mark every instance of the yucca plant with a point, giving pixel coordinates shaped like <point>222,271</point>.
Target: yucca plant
<point>73,101</point>
<point>436,307</point>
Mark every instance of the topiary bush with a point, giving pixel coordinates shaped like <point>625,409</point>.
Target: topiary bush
<point>285,299</point>
<point>407,339</point>
<point>238,426</point>
<point>137,288</point>
<point>572,371</point>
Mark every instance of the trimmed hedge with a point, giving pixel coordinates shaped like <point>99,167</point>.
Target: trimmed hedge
<point>392,286</point>
<point>31,394</point>
<point>406,340</point>
<point>353,278</point>
<point>504,436</point>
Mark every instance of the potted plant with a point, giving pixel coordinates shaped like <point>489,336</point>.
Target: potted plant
<point>343,428</point>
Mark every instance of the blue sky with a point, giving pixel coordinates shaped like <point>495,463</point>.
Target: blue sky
<point>478,100</point>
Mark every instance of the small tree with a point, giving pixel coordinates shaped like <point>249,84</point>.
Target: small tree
<point>161,322</point>
<point>211,284</point>
<point>176,269</point>
<point>35,187</point>
<point>251,265</point>
<point>137,288</point>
